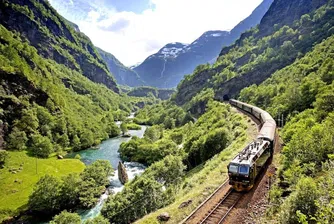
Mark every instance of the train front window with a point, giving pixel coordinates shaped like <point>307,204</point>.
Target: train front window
<point>233,168</point>
<point>243,169</point>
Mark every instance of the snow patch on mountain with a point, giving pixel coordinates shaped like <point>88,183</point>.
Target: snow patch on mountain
<point>172,50</point>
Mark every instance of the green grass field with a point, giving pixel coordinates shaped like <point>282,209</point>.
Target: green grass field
<point>16,188</point>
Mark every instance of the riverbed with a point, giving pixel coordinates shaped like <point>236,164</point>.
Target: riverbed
<point>108,150</point>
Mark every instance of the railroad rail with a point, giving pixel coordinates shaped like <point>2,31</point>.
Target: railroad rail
<point>223,208</point>
<point>220,210</point>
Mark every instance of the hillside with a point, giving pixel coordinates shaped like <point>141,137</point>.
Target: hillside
<point>55,39</point>
<point>302,95</point>
<point>169,65</point>
<point>58,96</point>
<point>256,55</point>
<point>45,97</point>
<point>122,74</point>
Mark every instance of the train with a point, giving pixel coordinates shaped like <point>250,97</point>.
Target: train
<point>245,168</point>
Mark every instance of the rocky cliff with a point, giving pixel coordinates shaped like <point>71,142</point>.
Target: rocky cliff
<point>284,35</point>
<point>168,66</point>
<point>123,74</point>
<point>55,38</point>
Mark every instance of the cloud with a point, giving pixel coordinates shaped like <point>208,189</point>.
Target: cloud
<point>116,25</point>
<point>132,37</point>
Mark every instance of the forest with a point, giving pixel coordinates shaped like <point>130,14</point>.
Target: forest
<point>51,106</point>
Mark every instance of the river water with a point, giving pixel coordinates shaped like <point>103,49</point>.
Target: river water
<point>108,150</point>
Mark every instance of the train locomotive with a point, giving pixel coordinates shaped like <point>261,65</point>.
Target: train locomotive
<point>244,169</point>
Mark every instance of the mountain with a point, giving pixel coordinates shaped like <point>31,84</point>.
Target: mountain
<point>123,74</point>
<point>56,92</point>
<point>168,66</point>
<point>285,34</point>
<point>54,38</point>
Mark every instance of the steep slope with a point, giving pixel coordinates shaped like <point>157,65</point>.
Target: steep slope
<point>256,54</point>
<point>54,38</point>
<point>123,74</point>
<point>302,95</point>
<point>167,67</point>
<point>47,105</point>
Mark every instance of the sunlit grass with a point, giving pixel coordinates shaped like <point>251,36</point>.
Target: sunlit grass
<point>16,187</point>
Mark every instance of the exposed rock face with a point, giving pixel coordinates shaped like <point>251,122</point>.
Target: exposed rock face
<point>167,67</point>
<point>55,38</point>
<point>123,74</point>
<point>285,12</point>
<point>164,217</point>
<point>280,17</point>
<point>122,175</point>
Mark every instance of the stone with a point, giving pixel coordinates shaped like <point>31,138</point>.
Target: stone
<point>185,203</point>
<point>163,217</point>
<point>60,157</point>
<point>126,135</point>
<point>14,172</point>
<point>122,175</point>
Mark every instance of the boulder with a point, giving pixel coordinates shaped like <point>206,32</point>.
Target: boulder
<point>126,135</point>
<point>122,175</point>
<point>163,217</point>
<point>185,203</point>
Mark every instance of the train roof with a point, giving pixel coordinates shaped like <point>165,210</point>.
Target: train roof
<point>251,152</point>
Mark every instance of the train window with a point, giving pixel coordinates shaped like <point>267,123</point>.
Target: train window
<point>233,168</point>
<point>243,169</point>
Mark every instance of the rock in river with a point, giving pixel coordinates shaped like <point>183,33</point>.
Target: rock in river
<point>122,175</point>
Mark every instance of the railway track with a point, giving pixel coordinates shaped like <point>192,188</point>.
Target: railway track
<point>219,211</point>
<point>223,208</point>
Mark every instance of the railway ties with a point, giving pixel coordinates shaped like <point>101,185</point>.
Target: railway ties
<point>222,209</point>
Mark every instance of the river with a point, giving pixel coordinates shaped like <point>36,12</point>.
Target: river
<point>108,150</point>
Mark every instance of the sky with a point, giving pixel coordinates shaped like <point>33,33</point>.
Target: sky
<point>134,29</point>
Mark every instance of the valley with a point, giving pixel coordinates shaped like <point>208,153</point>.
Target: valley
<point>86,139</point>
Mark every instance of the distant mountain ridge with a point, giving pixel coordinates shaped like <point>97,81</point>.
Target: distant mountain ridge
<point>122,74</point>
<point>288,31</point>
<point>167,67</point>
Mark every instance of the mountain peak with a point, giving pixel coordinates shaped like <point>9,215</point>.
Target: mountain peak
<point>171,50</point>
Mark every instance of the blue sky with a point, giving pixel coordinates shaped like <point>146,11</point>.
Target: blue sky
<point>134,29</point>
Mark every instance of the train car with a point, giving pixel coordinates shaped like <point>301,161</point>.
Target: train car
<point>249,163</point>
<point>244,169</point>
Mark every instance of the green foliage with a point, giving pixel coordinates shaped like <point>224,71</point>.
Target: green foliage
<point>17,139</point>
<point>70,190</point>
<point>124,128</point>
<point>301,204</point>
<point>52,195</point>
<point>145,193</point>
<point>55,102</point>
<point>165,113</point>
<point>3,157</point>
<point>66,217</point>
<point>97,220</point>
<point>89,193</point>
<point>258,54</point>
<point>41,146</point>
<point>133,126</point>
<point>99,171</point>
<point>211,134</point>
<point>45,197</point>
<point>301,93</point>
